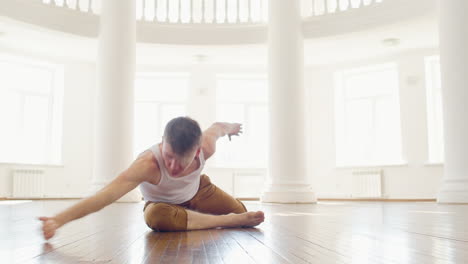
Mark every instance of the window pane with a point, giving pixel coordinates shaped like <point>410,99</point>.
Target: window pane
<point>233,113</point>
<point>228,152</point>
<point>359,130</point>
<point>38,79</point>
<point>30,111</point>
<point>146,129</point>
<point>243,99</point>
<point>161,89</point>
<point>159,98</point>
<point>368,84</point>
<point>36,109</point>
<point>387,127</point>
<point>10,113</point>
<point>257,126</point>
<point>170,111</point>
<point>369,115</point>
<point>243,90</point>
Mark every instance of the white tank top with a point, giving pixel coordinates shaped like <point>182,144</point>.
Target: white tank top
<point>169,189</point>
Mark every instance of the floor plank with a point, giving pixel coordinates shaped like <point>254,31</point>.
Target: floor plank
<point>326,232</point>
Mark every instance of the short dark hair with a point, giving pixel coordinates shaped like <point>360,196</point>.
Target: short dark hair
<point>183,134</point>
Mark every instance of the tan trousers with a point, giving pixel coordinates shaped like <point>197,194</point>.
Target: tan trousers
<point>209,200</point>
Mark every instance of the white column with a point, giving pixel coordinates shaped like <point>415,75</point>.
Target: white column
<point>114,106</point>
<point>453,36</point>
<point>287,170</point>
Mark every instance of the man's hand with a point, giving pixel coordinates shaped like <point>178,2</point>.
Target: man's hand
<point>49,226</point>
<point>216,131</point>
<point>233,129</point>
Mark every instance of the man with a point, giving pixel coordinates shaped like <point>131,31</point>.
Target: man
<point>177,196</point>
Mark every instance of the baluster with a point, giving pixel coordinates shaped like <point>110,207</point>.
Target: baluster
<point>143,8</point>
<point>312,8</point>
<point>249,10</point>
<point>203,12</point>
<point>155,17</point>
<point>90,6</point>
<point>77,5</point>
<point>261,11</point>
<point>215,11</point>
<point>191,12</point>
<point>179,15</point>
<point>238,11</point>
<point>226,11</point>
<point>325,7</point>
<point>167,11</point>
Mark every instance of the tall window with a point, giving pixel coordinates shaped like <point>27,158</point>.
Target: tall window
<point>30,111</point>
<point>159,97</point>
<point>368,116</point>
<point>243,99</point>
<point>434,110</point>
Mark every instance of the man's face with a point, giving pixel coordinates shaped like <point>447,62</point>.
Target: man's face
<point>176,165</point>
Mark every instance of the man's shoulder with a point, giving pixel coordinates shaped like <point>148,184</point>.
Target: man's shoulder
<point>148,168</point>
<point>147,161</point>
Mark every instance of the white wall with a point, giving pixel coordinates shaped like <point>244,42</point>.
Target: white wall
<point>72,178</point>
<point>414,180</point>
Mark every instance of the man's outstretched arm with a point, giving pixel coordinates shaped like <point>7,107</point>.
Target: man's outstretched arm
<point>214,132</point>
<point>125,182</point>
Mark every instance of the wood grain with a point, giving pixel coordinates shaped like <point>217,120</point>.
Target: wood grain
<point>326,232</point>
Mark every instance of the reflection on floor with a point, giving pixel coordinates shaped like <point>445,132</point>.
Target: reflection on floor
<point>326,232</point>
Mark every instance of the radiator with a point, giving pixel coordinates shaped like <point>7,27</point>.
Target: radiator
<point>28,183</point>
<point>367,183</point>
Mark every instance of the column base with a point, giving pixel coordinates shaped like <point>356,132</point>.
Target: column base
<point>453,191</point>
<point>288,193</point>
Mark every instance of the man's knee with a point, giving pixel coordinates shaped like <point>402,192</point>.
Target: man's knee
<point>165,217</point>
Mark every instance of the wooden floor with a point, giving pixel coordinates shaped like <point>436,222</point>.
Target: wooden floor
<point>327,232</point>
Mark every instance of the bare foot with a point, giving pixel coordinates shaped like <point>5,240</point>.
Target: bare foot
<point>248,219</point>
